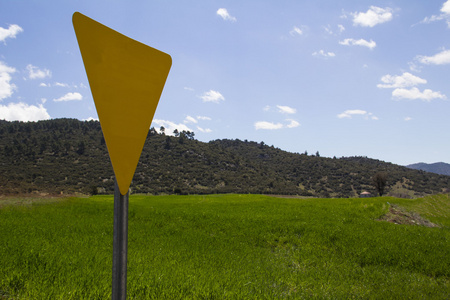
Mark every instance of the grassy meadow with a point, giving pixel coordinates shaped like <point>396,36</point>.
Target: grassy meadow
<point>226,247</point>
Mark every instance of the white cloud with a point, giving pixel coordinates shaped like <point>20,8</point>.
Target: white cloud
<point>223,12</point>
<point>445,15</point>
<point>61,84</point>
<point>69,97</point>
<point>273,126</point>
<point>203,118</point>
<point>212,96</point>
<point>23,112</point>
<point>6,87</point>
<point>296,31</point>
<point>414,67</point>
<point>400,84</point>
<point>190,119</point>
<point>204,130</point>
<point>441,58</point>
<point>374,16</point>
<point>267,125</point>
<point>360,42</point>
<point>283,109</point>
<point>446,7</point>
<point>188,89</point>
<point>402,81</point>
<point>322,53</point>
<point>344,15</point>
<point>415,93</point>
<point>11,32</point>
<point>328,29</point>
<point>292,123</point>
<point>433,18</point>
<point>352,112</point>
<point>407,119</point>
<point>169,126</point>
<point>90,119</point>
<point>286,109</point>
<point>36,73</point>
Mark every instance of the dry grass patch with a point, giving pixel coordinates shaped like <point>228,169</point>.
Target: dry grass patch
<point>399,215</point>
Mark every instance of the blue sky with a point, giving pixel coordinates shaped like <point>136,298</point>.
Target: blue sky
<point>343,78</point>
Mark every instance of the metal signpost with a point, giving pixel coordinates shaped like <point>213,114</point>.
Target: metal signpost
<point>126,80</point>
<point>120,245</point>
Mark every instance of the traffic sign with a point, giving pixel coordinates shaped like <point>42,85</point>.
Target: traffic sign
<point>126,79</point>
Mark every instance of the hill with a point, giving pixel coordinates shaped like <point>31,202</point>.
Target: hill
<point>438,168</point>
<point>69,156</point>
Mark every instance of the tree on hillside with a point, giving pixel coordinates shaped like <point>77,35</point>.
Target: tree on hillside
<point>187,134</point>
<point>152,132</point>
<point>379,181</point>
<point>190,135</point>
<point>81,147</point>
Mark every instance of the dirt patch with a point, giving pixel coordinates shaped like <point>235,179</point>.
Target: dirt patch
<point>399,215</point>
<point>31,199</point>
<point>289,196</point>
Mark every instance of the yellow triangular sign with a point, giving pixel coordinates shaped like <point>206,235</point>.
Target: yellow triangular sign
<point>126,79</point>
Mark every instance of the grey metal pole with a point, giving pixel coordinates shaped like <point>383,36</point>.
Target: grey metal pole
<point>120,245</point>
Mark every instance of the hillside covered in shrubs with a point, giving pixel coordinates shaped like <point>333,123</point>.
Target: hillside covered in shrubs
<point>70,156</point>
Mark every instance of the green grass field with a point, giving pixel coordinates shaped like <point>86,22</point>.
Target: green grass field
<point>226,247</point>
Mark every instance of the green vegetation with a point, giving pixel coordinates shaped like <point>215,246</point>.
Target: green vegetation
<point>226,247</point>
<point>436,208</point>
<point>69,156</point>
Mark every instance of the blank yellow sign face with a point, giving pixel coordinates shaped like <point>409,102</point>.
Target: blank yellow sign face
<point>126,79</point>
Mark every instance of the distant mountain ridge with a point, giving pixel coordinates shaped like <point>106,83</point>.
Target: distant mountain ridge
<point>438,168</point>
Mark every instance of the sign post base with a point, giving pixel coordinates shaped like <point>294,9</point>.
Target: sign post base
<point>120,245</point>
